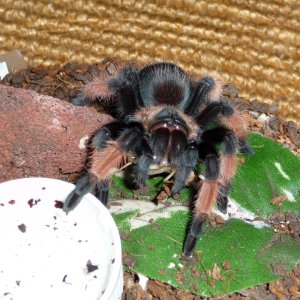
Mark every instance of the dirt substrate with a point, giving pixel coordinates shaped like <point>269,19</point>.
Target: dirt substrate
<point>66,82</point>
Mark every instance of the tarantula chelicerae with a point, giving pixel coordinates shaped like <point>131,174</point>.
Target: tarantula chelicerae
<point>164,119</point>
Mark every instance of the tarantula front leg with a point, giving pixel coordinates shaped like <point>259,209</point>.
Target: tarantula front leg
<point>111,144</point>
<point>223,112</point>
<point>185,165</point>
<point>208,91</point>
<point>140,170</point>
<point>102,144</point>
<point>206,198</point>
<point>236,123</point>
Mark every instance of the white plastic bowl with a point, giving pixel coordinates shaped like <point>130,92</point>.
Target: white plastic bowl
<point>45,253</point>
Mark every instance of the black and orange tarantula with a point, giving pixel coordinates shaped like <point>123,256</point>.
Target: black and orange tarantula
<point>164,119</point>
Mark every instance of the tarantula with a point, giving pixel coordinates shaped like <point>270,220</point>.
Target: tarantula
<point>164,119</point>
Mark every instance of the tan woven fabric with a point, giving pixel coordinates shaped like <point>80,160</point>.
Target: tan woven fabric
<point>254,44</point>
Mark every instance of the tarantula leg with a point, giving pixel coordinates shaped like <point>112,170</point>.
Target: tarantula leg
<point>80,101</point>
<point>83,186</point>
<point>96,88</point>
<point>206,89</point>
<point>106,133</point>
<point>183,155</point>
<point>194,232</point>
<point>244,147</point>
<point>132,139</point>
<point>228,169</point>
<point>229,147</point>
<point>180,178</point>
<point>140,170</point>
<point>204,203</point>
<point>103,163</point>
<point>150,152</point>
<point>106,161</point>
<point>222,198</point>
<point>101,191</point>
<point>213,111</point>
<point>206,197</point>
<point>90,182</point>
<point>237,125</point>
<point>230,118</point>
<point>126,86</point>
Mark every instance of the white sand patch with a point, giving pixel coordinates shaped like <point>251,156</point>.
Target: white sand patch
<point>143,281</point>
<point>131,205</point>
<point>56,124</point>
<point>147,211</point>
<point>171,265</point>
<point>263,118</point>
<point>236,211</point>
<point>82,142</point>
<point>279,168</point>
<point>289,195</point>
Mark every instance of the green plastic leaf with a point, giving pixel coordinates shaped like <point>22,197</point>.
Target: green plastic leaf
<point>237,254</point>
<point>272,171</point>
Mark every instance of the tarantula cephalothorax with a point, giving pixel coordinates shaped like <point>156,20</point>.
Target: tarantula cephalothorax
<point>164,119</point>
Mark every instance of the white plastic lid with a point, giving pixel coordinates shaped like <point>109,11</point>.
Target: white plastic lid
<point>46,254</point>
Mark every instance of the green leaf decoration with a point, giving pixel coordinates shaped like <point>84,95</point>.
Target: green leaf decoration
<point>234,255</point>
<point>272,171</point>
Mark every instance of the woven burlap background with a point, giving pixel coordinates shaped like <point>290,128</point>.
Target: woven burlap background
<point>254,44</point>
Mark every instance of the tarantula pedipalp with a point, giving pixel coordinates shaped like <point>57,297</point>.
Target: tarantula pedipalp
<point>164,119</point>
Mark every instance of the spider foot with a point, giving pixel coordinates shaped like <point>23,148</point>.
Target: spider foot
<point>222,203</point>
<point>101,191</point>
<point>244,147</point>
<point>193,235</point>
<point>83,186</point>
<point>79,101</point>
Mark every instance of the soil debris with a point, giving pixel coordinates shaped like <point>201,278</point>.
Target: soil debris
<point>90,267</point>
<point>59,204</point>
<point>33,202</point>
<point>22,228</point>
<point>124,236</point>
<point>278,199</point>
<point>286,223</point>
<point>226,265</point>
<point>129,261</point>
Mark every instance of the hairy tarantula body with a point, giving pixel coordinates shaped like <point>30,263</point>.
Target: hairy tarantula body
<point>164,119</point>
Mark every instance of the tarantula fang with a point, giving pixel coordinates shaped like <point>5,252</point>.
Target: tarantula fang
<point>164,119</point>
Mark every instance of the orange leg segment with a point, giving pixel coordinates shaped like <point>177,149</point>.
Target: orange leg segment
<point>106,161</point>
